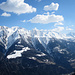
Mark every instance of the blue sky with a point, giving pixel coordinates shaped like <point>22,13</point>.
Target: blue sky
<point>58,15</point>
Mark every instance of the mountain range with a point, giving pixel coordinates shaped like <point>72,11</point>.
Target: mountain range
<point>36,52</point>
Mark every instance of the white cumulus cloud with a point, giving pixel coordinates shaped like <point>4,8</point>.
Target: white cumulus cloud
<point>6,14</point>
<point>46,18</point>
<point>17,6</point>
<point>58,23</point>
<point>23,21</point>
<point>58,29</point>
<point>52,6</point>
<point>72,25</point>
<point>68,28</point>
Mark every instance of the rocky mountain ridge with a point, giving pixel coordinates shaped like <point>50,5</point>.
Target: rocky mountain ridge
<point>38,49</point>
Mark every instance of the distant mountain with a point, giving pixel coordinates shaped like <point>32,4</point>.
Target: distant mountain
<point>36,52</point>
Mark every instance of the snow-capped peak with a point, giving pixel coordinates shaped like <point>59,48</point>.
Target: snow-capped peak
<point>71,34</point>
<point>10,35</point>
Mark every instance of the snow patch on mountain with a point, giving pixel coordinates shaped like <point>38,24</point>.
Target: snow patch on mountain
<point>42,54</point>
<point>17,53</point>
<point>33,58</point>
<point>60,50</point>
